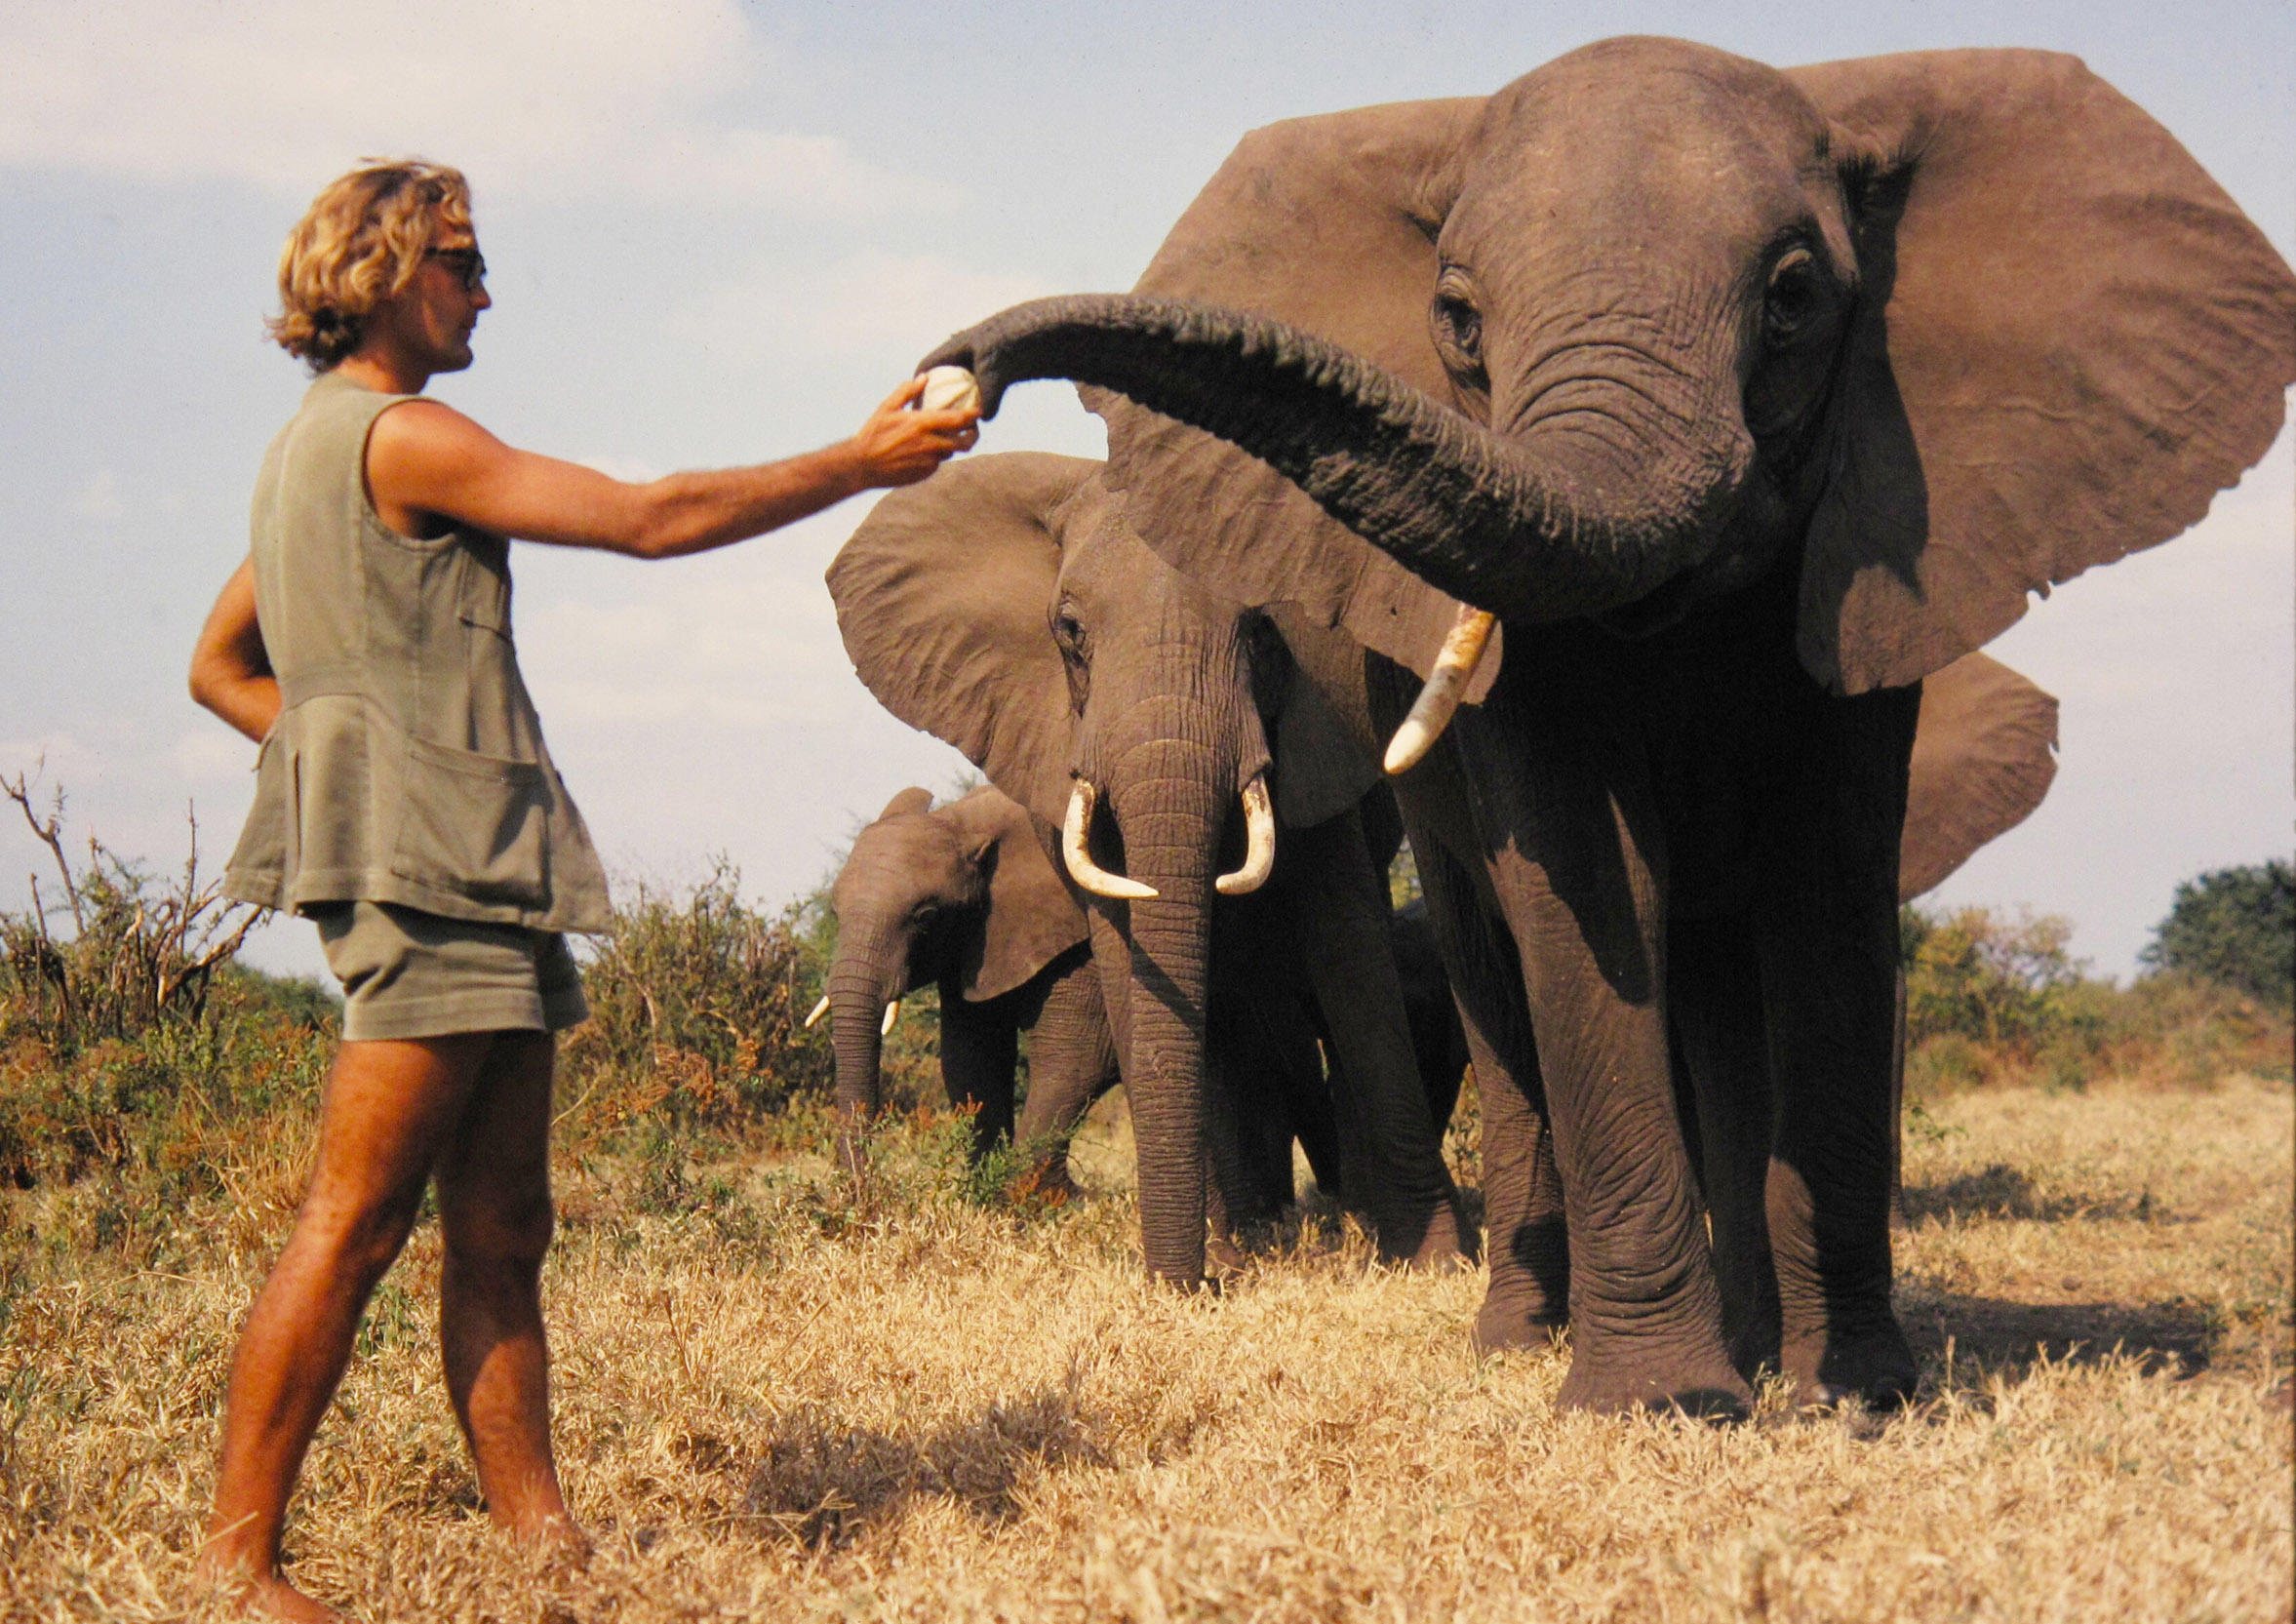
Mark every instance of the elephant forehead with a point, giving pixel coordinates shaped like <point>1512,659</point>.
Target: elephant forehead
<point>913,855</point>
<point>1118,583</point>
<point>1652,145</point>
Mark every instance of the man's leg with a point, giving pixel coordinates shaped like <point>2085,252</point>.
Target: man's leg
<point>390,1106</point>
<point>494,1212</point>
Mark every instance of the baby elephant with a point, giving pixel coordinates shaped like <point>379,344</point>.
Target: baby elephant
<point>963,896</point>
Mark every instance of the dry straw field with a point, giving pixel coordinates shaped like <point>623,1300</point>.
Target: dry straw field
<point>779,1397</point>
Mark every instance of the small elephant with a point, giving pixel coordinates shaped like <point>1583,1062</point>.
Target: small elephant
<point>963,896</point>
<point>1740,401</point>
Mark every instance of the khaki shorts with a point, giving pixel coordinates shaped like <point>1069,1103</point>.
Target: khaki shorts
<point>406,974</point>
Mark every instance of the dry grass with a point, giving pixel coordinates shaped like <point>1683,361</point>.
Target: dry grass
<point>776,1402</point>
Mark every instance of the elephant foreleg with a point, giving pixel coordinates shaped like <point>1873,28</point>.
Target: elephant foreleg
<point>1573,855</point>
<point>1714,998</point>
<point>1826,925</point>
<point>979,1053</point>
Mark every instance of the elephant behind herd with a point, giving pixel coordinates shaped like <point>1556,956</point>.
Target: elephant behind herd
<point>1743,402</point>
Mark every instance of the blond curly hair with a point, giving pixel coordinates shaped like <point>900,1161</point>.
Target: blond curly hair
<point>362,241</point>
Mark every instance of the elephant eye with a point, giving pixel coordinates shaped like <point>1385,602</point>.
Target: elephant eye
<point>1069,632</point>
<point>1796,295</point>
<point>1457,325</point>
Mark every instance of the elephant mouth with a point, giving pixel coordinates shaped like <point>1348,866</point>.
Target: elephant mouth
<point>1076,828</point>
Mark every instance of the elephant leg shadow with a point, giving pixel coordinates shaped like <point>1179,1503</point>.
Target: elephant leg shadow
<point>1986,1336</point>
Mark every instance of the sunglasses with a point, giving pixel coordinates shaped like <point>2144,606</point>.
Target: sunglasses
<point>467,262</point>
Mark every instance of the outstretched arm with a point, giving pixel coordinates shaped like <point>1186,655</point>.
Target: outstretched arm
<point>230,671</point>
<point>427,463</point>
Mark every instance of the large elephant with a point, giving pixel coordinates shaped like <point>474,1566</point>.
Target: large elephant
<point>1745,400</point>
<point>962,897</point>
<point>1006,606</point>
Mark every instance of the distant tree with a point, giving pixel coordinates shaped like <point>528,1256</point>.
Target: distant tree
<point>2236,925</point>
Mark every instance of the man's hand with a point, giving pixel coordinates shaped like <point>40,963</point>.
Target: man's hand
<point>430,468</point>
<point>898,445</point>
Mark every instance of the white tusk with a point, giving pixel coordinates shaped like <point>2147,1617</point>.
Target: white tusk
<point>1081,867</point>
<point>819,1009</point>
<point>893,1012</point>
<point>1259,844</point>
<point>1439,700</point>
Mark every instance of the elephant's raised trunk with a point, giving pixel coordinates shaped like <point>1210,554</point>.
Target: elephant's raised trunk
<point>1516,525</point>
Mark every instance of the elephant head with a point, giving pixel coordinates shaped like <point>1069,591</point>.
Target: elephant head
<point>961,895</point>
<point>1008,608</point>
<point>1933,331</point>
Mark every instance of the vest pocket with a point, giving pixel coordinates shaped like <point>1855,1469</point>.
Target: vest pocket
<point>476,826</point>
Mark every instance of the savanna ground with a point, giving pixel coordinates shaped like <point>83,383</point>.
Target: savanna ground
<point>783,1396</point>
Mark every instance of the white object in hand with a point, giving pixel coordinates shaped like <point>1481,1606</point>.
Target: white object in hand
<point>949,389</point>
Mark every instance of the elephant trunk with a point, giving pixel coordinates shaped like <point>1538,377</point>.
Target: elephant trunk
<point>868,974</point>
<point>1170,782</point>
<point>1529,526</point>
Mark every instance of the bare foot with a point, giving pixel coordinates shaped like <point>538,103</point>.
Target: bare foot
<point>559,1543</point>
<point>270,1595</point>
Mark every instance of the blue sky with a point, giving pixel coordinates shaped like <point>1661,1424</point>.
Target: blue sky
<point>720,233</point>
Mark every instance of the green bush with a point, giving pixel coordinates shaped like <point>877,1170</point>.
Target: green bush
<point>1999,997</point>
<point>697,1007</point>
<point>1989,978</point>
<point>2236,925</point>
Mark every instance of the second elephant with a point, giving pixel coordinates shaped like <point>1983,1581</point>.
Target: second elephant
<point>963,898</point>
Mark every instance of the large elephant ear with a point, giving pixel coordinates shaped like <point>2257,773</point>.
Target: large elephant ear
<point>2070,340</point>
<point>1328,224</point>
<point>1984,755</point>
<point>944,596</point>
<point>1032,917</point>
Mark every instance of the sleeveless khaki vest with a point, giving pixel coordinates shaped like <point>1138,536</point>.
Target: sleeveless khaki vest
<point>407,765</point>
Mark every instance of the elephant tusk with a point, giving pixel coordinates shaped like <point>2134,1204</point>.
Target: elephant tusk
<point>1259,847</point>
<point>1439,700</point>
<point>1081,867</point>
<point>893,1012</point>
<point>819,1009</point>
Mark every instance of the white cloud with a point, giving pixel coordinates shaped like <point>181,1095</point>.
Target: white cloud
<point>537,101</point>
<point>873,304</point>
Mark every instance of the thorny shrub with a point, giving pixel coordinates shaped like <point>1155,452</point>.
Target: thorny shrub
<point>140,953</point>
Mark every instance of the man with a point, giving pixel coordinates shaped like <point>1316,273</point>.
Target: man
<point>406,803</point>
